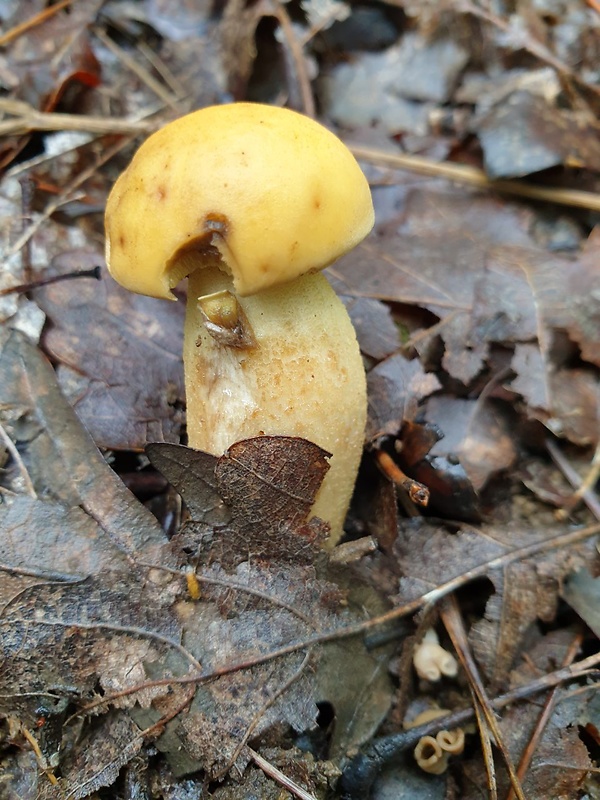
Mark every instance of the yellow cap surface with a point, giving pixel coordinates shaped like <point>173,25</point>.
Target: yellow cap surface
<point>276,193</point>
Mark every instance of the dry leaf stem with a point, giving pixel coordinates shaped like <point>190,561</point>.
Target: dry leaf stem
<point>472,176</point>
<point>32,22</point>
<point>486,718</point>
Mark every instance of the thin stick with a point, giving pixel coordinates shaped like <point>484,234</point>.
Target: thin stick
<point>471,176</point>
<point>308,101</point>
<point>277,775</point>
<point>418,492</point>
<point>16,456</point>
<point>586,486</point>
<point>37,19</point>
<point>29,287</point>
<point>543,719</point>
<point>589,497</point>
<point>451,616</point>
<point>27,119</point>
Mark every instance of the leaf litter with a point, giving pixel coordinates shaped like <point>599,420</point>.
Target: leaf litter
<point>239,641</point>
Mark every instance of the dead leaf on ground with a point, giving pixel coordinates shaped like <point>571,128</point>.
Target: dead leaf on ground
<point>486,293</point>
<point>268,484</point>
<point>476,432</point>
<point>119,357</point>
<point>395,388</point>
<point>524,591</point>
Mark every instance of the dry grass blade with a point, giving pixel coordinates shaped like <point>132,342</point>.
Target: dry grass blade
<point>282,779</point>
<point>32,22</point>
<point>543,719</point>
<point>452,619</point>
<point>588,496</point>
<point>155,86</point>
<point>471,176</point>
<point>27,119</point>
<point>486,747</point>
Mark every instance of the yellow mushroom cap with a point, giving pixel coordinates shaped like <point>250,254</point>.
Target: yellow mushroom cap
<point>276,193</point>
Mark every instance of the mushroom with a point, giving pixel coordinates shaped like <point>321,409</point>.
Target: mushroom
<point>251,202</point>
<point>431,661</point>
<point>432,752</point>
<point>430,756</point>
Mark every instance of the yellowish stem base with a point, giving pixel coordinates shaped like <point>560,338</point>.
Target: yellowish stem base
<point>304,378</point>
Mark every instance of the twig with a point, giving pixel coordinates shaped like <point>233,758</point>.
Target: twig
<point>353,551</point>
<point>163,70</point>
<point>417,492</point>
<point>589,497</point>
<point>27,119</point>
<point>471,176</point>
<point>32,22</point>
<point>29,287</point>
<point>544,718</point>
<point>452,619</point>
<point>16,456</point>
<point>277,775</point>
<point>308,101</point>
<point>586,487</point>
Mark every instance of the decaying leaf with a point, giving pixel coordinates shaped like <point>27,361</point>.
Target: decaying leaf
<point>119,357</point>
<point>484,293</point>
<point>94,600</point>
<point>582,592</point>
<point>524,592</point>
<point>396,387</point>
<point>268,485</point>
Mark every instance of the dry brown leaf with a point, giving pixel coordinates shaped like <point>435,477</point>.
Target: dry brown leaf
<point>486,293</point>
<point>396,388</point>
<point>528,134</point>
<point>476,432</point>
<point>525,591</point>
<point>119,355</point>
<point>97,761</point>
<point>268,484</point>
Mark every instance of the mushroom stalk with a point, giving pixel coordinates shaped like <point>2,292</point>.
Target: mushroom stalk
<point>303,376</point>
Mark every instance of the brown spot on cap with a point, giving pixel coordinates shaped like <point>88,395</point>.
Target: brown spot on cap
<point>215,222</point>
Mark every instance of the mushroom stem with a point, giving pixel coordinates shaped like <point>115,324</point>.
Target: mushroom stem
<point>303,377</point>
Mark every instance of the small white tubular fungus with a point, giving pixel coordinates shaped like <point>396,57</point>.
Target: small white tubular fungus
<point>430,757</point>
<point>431,661</point>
